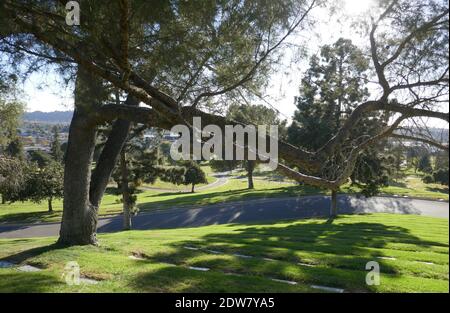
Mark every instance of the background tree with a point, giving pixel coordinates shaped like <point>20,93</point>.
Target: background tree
<point>194,175</point>
<point>42,158</point>
<point>224,165</point>
<point>255,115</point>
<point>332,88</point>
<point>10,113</point>
<point>137,165</point>
<point>414,154</point>
<point>424,164</point>
<point>12,177</point>
<point>44,183</point>
<point>55,146</point>
<point>441,176</point>
<point>441,160</point>
<point>15,148</point>
<point>173,174</point>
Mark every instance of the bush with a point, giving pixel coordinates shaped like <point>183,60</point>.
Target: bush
<point>428,179</point>
<point>425,164</point>
<point>441,176</point>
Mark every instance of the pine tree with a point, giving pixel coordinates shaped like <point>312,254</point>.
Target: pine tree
<point>56,150</point>
<point>333,86</point>
<point>424,164</point>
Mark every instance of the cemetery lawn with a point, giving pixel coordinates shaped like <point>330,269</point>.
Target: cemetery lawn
<point>412,252</point>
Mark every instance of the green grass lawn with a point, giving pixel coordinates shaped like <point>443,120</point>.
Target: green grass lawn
<point>414,186</point>
<point>411,185</point>
<point>336,252</point>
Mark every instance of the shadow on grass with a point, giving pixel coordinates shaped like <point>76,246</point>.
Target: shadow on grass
<point>437,189</point>
<point>29,217</point>
<point>225,196</point>
<point>23,282</point>
<point>25,255</point>
<point>338,253</point>
<point>116,191</point>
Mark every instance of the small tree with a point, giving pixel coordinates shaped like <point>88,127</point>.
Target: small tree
<point>224,165</point>
<point>441,161</point>
<point>424,164</point>
<point>194,175</point>
<point>56,150</point>
<point>173,174</point>
<point>441,176</point>
<point>15,148</point>
<point>10,113</point>
<point>11,177</point>
<point>44,183</point>
<point>40,157</point>
<point>428,179</point>
<point>135,167</point>
<point>257,115</point>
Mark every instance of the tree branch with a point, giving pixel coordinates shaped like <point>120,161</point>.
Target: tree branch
<point>247,77</point>
<point>419,139</point>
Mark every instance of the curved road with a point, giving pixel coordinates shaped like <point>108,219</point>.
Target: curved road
<point>246,212</point>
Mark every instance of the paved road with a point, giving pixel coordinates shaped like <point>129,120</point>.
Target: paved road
<point>246,212</point>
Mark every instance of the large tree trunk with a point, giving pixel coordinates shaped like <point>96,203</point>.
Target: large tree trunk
<point>109,156</point>
<point>193,188</point>
<point>125,192</point>
<point>250,168</point>
<point>333,206</point>
<point>79,220</point>
<point>83,191</point>
<point>3,199</point>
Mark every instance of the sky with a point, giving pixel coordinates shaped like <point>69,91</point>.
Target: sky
<point>44,93</point>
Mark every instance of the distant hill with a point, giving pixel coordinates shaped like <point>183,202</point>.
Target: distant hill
<point>438,134</point>
<point>57,117</point>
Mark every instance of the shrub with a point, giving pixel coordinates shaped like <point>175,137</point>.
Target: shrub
<point>428,179</point>
<point>441,176</point>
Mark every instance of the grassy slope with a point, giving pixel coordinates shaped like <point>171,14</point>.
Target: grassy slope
<point>339,249</point>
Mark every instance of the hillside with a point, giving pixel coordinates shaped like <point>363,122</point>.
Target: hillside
<point>57,117</point>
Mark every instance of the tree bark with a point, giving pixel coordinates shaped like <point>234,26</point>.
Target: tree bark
<point>109,156</point>
<point>250,168</point>
<point>50,206</point>
<point>192,189</point>
<point>125,191</point>
<point>79,220</point>
<point>3,199</point>
<point>333,206</point>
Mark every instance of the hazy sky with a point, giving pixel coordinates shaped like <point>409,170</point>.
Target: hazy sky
<point>44,94</point>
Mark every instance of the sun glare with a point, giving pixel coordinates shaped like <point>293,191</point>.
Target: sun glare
<point>356,7</point>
